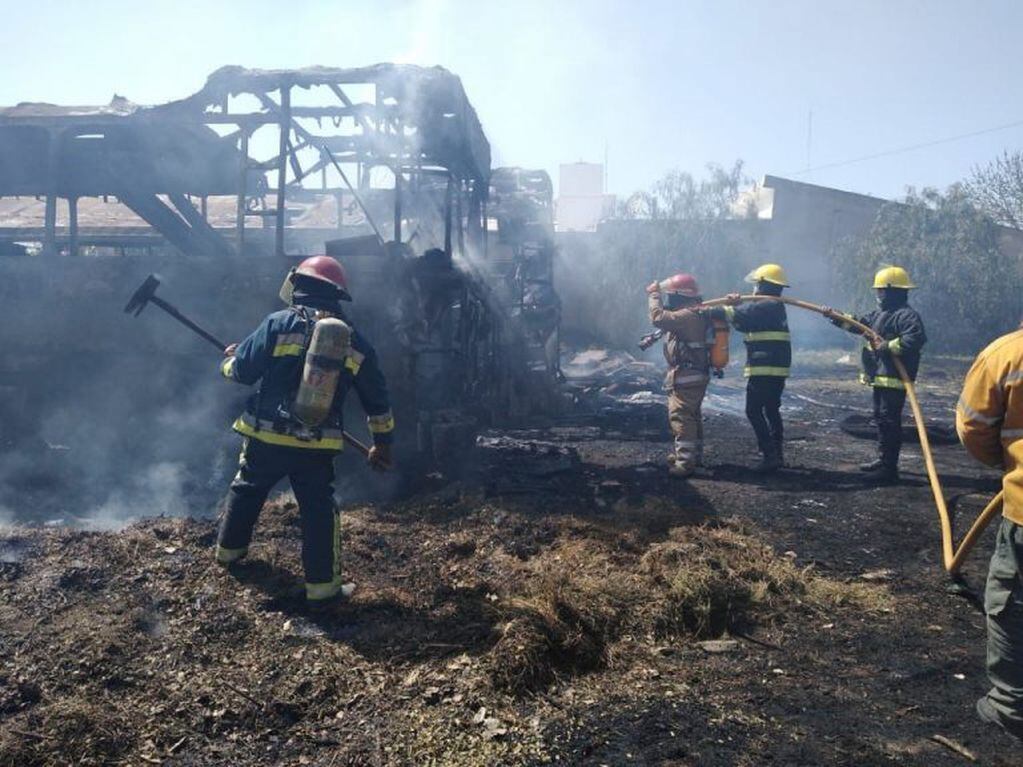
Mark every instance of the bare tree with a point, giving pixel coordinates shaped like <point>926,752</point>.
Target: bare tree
<point>997,189</point>
<point>680,196</point>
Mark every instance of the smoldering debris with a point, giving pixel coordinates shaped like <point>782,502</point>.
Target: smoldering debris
<point>436,629</point>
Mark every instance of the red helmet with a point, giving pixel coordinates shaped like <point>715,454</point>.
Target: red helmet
<point>682,284</point>
<point>327,269</point>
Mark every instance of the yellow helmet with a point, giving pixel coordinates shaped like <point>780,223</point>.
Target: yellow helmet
<point>768,273</point>
<point>893,277</point>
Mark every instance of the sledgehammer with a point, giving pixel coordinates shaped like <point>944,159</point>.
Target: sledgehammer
<point>147,294</point>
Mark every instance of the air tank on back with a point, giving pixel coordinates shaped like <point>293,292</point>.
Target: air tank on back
<point>331,343</point>
<point>719,349</point>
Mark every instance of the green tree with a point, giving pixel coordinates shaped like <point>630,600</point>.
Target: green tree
<point>968,288</point>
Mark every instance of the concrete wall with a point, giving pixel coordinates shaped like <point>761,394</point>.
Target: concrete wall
<point>798,225</point>
<point>806,223</point>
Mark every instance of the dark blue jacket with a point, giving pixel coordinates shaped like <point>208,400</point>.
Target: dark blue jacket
<point>903,328</point>
<point>765,327</point>
<point>274,356</point>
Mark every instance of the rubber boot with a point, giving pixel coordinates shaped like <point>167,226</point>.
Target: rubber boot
<point>770,460</point>
<point>989,714</point>
<point>885,474</point>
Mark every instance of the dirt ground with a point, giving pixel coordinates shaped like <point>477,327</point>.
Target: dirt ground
<point>562,602</point>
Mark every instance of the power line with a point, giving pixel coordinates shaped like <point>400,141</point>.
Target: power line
<point>911,148</point>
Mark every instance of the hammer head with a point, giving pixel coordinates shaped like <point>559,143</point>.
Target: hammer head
<point>141,296</point>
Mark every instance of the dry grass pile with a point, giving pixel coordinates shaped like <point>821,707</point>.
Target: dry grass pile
<point>53,732</point>
<point>701,583</point>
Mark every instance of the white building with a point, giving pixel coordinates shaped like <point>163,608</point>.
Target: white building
<point>582,203</point>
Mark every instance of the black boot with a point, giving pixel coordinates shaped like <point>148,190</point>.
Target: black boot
<point>874,465</point>
<point>885,474</point>
<point>770,460</point>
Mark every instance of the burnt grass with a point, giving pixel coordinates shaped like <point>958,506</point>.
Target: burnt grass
<point>566,603</point>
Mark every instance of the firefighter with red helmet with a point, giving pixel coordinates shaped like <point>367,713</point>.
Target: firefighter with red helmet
<point>281,439</point>
<point>686,349</point>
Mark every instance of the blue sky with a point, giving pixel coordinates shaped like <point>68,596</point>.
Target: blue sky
<point>660,84</point>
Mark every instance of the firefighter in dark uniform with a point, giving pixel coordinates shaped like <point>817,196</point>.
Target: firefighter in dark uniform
<point>903,332</point>
<point>278,445</point>
<point>765,327</point>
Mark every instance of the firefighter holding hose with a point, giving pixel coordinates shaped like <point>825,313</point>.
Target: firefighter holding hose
<point>989,419</point>
<point>902,332</point>
<point>768,359</point>
<point>306,358</point>
<point>686,349</point>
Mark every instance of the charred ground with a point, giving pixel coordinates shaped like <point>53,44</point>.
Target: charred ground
<point>553,605</point>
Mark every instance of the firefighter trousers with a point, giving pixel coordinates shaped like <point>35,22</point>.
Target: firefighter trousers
<point>311,473</point>
<point>888,405</point>
<point>763,409</point>
<point>686,421</point>
<point>1003,605</point>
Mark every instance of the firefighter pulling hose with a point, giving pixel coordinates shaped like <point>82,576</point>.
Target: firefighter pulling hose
<point>952,556</point>
<point>693,351</point>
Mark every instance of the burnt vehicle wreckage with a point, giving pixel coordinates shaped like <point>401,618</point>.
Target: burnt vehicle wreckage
<point>385,167</point>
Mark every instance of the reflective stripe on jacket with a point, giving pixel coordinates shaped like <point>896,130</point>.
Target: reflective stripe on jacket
<point>765,327</point>
<point>903,328</point>
<point>274,356</point>
<point>989,416</point>
<point>686,347</point>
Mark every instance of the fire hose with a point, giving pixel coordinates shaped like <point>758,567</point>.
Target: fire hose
<point>952,555</point>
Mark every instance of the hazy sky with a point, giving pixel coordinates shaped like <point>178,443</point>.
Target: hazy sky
<point>660,84</point>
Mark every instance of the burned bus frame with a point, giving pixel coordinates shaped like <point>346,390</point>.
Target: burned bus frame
<point>417,123</point>
<point>172,164</point>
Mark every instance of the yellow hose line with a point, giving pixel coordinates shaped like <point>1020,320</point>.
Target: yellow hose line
<point>953,558</point>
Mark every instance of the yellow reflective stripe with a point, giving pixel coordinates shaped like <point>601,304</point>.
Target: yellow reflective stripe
<point>768,335</point>
<point>381,424</point>
<point>288,350</point>
<point>888,382</point>
<point>895,346</point>
<point>286,440</point>
<point>227,556</point>
<point>289,345</point>
<point>765,370</point>
<point>354,361</point>
<point>227,367</point>
<point>319,591</point>
<point>729,313</point>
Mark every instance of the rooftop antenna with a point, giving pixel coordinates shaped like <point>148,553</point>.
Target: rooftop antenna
<point>605,166</point>
<point>809,140</point>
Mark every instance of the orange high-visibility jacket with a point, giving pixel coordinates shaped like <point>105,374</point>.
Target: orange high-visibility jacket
<point>989,416</point>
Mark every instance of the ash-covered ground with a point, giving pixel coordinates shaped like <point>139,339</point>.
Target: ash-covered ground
<point>562,602</point>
